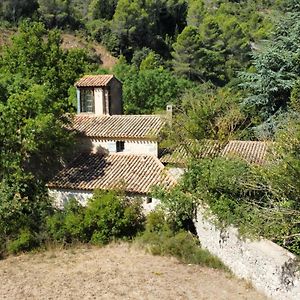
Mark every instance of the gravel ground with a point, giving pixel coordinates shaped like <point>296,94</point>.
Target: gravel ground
<point>114,272</point>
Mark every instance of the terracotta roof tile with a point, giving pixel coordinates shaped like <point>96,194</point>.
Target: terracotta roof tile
<point>254,152</point>
<point>134,173</point>
<point>94,80</point>
<point>119,126</point>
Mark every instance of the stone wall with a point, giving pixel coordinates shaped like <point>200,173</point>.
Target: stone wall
<point>271,269</point>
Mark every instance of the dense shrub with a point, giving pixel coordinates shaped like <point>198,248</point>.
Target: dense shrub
<point>25,241</point>
<point>106,217</point>
<point>160,239</point>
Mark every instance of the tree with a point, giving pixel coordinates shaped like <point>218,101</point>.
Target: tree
<point>57,13</point>
<point>148,90</point>
<point>131,25</point>
<point>276,69</point>
<point>196,12</point>
<point>102,9</point>
<point>14,10</point>
<point>186,53</point>
<point>35,77</point>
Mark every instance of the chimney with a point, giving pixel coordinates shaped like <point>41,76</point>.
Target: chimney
<point>169,111</point>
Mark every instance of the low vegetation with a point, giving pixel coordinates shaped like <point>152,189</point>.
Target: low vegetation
<point>159,239</point>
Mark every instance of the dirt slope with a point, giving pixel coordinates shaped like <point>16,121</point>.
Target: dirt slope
<point>113,272</point>
<point>70,41</point>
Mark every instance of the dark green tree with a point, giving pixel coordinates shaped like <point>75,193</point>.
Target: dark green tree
<point>35,77</point>
<point>102,9</point>
<point>14,10</point>
<point>276,69</point>
<point>186,53</point>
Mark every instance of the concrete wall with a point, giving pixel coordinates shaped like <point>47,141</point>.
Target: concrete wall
<point>132,146</point>
<point>270,268</point>
<point>62,196</point>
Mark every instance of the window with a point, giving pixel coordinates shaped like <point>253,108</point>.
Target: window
<point>120,146</point>
<point>87,101</point>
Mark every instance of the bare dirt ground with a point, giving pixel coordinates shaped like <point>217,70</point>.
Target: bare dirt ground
<point>5,35</point>
<point>70,41</point>
<point>114,272</point>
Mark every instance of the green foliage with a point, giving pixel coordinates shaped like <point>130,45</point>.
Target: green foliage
<point>35,77</point>
<point>106,217</point>
<point>186,55</point>
<point>14,10</point>
<point>149,89</point>
<point>25,241</point>
<point>102,9</point>
<point>275,74</point>
<point>214,51</point>
<point>206,112</point>
<point>159,239</point>
<point>57,13</point>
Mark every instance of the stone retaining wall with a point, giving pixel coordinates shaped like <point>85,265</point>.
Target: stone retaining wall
<point>271,269</point>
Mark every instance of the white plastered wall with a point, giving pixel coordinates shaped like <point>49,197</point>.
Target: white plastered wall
<point>62,196</point>
<point>141,147</point>
<point>130,147</point>
<point>98,92</point>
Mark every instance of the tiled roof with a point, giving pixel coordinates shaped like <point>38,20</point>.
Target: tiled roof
<point>134,173</point>
<point>253,152</point>
<point>180,155</point>
<point>94,80</point>
<point>119,126</point>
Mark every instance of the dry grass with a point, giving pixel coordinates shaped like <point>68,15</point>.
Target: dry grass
<point>113,272</point>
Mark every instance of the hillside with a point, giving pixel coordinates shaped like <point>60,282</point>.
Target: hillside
<point>109,273</point>
<point>71,41</point>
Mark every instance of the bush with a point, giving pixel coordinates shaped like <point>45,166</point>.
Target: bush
<point>107,216</point>
<point>24,242</point>
<point>159,239</point>
<point>66,225</point>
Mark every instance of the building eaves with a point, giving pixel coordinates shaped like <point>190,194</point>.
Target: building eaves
<point>94,80</point>
<point>131,173</point>
<point>253,152</point>
<point>119,126</point>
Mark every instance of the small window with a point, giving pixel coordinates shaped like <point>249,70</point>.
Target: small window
<point>120,146</point>
<point>87,101</point>
<point>148,200</point>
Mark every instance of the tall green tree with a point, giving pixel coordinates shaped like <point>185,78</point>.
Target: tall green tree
<point>276,70</point>
<point>57,13</point>
<point>186,53</point>
<point>196,12</point>
<point>14,10</point>
<point>102,9</point>
<point>35,77</point>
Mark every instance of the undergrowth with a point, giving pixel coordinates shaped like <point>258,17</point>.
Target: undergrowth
<point>159,239</point>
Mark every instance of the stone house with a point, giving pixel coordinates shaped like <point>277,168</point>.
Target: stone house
<point>116,151</point>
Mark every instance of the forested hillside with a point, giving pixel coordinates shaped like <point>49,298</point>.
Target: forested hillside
<point>231,68</point>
